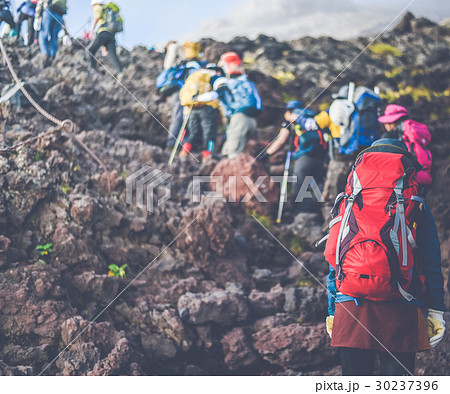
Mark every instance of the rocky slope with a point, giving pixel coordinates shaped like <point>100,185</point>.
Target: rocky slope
<point>218,295</point>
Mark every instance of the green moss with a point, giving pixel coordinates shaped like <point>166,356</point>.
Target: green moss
<point>417,93</point>
<point>305,283</point>
<point>293,243</point>
<point>249,60</point>
<point>383,49</point>
<point>394,72</point>
<point>324,105</point>
<point>266,221</point>
<point>284,77</point>
<point>287,97</point>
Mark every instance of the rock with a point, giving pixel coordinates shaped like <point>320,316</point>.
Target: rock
<point>96,289</point>
<point>158,347</point>
<point>245,173</point>
<point>308,304</point>
<point>238,352</point>
<point>307,227</point>
<point>264,304</point>
<point>217,307</point>
<point>269,322</point>
<point>82,208</point>
<point>207,232</point>
<point>297,347</point>
<point>4,246</point>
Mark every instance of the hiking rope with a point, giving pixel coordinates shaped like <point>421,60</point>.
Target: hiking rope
<point>65,125</point>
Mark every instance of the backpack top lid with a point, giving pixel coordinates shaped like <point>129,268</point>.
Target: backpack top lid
<point>390,145</point>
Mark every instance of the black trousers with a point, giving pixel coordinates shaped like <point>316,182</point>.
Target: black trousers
<point>6,16</point>
<point>107,40</point>
<point>361,362</point>
<point>303,167</point>
<point>22,18</point>
<point>202,125</point>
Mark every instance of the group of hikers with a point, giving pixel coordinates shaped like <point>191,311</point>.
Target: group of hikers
<point>200,92</point>
<point>383,249</point>
<point>45,21</point>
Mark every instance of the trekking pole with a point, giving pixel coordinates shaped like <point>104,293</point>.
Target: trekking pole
<point>180,135</point>
<point>284,186</point>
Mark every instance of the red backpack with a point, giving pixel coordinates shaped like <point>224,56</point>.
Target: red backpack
<point>372,236</point>
<point>417,137</point>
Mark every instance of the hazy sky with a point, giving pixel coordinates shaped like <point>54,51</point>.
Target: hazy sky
<point>154,22</point>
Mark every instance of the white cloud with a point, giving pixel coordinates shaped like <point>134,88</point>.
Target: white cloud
<point>290,19</point>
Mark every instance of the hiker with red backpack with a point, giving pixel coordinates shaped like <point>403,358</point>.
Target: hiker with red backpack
<point>385,266</point>
<point>308,150</point>
<point>415,135</point>
<point>109,22</point>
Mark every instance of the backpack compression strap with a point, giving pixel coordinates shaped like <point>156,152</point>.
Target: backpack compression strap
<point>344,229</point>
<point>400,221</point>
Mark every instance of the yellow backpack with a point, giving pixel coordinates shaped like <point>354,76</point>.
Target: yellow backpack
<point>196,84</point>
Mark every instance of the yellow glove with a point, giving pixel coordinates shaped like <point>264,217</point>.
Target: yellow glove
<point>436,326</point>
<point>329,324</point>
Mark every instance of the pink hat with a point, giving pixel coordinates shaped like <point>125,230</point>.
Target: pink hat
<point>392,113</point>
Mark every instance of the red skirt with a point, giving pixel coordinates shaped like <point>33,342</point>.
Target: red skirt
<point>383,326</point>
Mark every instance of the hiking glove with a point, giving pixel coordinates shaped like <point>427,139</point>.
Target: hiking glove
<point>37,24</point>
<point>67,41</point>
<point>329,324</point>
<point>436,326</point>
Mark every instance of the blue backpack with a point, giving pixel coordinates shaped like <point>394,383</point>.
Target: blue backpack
<point>31,5</point>
<point>171,80</point>
<point>363,127</point>
<point>244,98</point>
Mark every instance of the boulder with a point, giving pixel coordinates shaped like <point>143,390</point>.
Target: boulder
<point>238,351</point>
<point>219,307</point>
<point>239,177</point>
<point>298,347</point>
<point>264,304</point>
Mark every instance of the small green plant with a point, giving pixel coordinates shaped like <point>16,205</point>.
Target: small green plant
<point>116,271</point>
<point>65,188</point>
<point>45,250</point>
<point>38,156</point>
<point>383,49</point>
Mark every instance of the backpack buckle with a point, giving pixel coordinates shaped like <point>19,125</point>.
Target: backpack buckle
<point>351,198</point>
<point>400,199</point>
